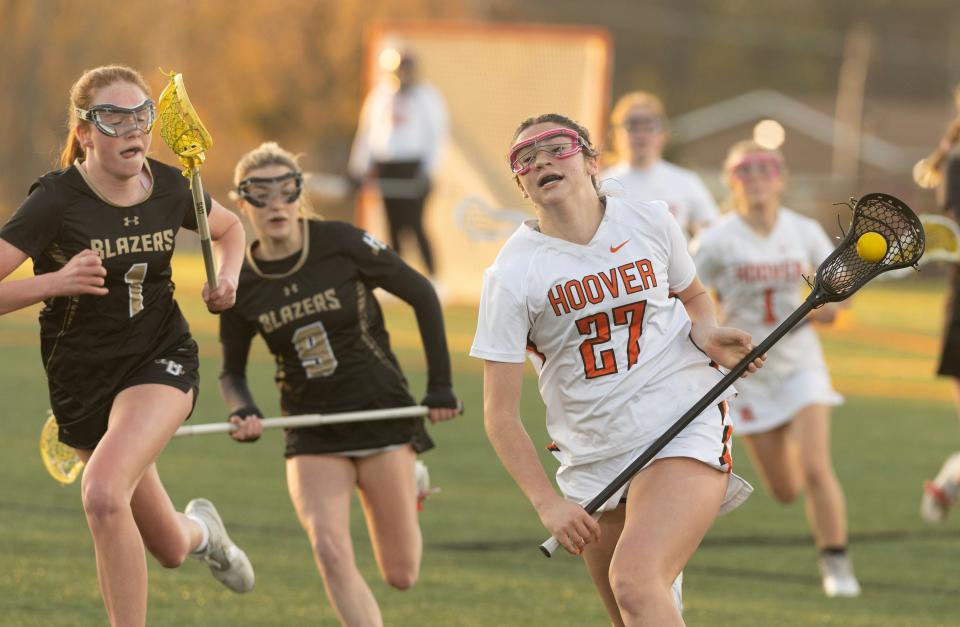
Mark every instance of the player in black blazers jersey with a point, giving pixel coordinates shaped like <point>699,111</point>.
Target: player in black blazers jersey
<point>121,365</point>
<point>306,289</point>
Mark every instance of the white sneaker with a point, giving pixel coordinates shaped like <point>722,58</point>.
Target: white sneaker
<point>838,577</point>
<point>422,477</point>
<point>228,563</point>
<point>677,589</point>
<point>940,494</point>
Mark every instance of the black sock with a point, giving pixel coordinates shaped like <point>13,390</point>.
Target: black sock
<point>833,550</point>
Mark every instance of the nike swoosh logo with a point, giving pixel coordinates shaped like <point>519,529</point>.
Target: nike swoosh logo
<point>614,249</point>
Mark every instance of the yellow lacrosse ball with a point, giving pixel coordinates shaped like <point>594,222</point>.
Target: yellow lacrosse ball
<point>872,246</point>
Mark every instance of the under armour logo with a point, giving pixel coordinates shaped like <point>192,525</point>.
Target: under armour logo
<point>376,245</point>
<point>132,221</point>
<point>172,367</point>
<point>290,289</point>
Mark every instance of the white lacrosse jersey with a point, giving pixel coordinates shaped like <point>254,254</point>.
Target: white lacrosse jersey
<point>689,200</point>
<point>759,281</point>
<point>618,363</point>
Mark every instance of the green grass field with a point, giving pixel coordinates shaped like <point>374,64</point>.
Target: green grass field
<point>481,565</point>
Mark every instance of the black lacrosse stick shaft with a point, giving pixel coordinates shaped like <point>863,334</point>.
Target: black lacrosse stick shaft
<point>841,274</point>
<point>708,399</point>
<point>812,301</point>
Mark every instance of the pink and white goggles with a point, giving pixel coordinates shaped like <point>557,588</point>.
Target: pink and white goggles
<point>557,142</point>
<point>764,166</point>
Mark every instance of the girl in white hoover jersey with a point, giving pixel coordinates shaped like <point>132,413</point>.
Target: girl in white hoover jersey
<point>756,259</point>
<point>588,287</point>
<point>640,133</point>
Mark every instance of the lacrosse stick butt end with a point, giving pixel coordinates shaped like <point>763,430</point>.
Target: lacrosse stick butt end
<point>550,547</point>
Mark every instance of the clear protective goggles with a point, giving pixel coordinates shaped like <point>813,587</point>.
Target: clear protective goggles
<point>113,120</point>
<point>260,191</point>
<point>764,166</point>
<point>557,142</point>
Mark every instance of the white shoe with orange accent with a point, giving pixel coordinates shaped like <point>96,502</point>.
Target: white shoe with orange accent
<point>940,494</point>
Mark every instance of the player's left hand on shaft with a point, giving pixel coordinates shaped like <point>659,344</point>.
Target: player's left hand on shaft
<point>223,297</point>
<point>249,428</point>
<point>443,405</point>
<point>727,346</point>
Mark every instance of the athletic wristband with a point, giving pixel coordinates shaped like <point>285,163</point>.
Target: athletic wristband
<point>442,397</point>
<point>246,410</point>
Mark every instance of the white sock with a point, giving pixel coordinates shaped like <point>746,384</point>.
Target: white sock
<point>204,538</point>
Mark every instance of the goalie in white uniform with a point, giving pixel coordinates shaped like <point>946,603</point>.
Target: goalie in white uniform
<point>589,287</point>
<point>756,260</point>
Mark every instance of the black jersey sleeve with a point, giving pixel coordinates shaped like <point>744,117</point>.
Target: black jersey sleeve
<point>375,261</point>
<point>414,288</point>
<point>36,222</point>
<point>380,266</point>
<point>236,336</point>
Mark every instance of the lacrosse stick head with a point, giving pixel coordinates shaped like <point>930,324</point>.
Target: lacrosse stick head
<point>942,238</point>
<point>60,460</point>
<point>180,126</point>
<point>845,271</point>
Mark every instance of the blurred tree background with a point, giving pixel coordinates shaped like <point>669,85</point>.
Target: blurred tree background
<point>291,70</point>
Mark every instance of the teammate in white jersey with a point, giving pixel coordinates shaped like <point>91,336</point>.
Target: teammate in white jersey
<point>756,260</point>
<point>640,134</point>
<point>604,291</point>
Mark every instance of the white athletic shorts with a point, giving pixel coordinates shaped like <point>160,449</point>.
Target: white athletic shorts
<point>707,439</point>
<point>768,400</point>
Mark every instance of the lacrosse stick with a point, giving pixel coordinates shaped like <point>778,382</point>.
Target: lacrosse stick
<point>481,222</point>
<point>63,464</point>
<point>181,129</point>
<point>841,274</point>
<point>942,239</point>
<point>942,243</point>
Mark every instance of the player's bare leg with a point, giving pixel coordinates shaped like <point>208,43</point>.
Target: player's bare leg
<point>670,507</point>
<point>168,534</point>
<point>388,495</point>
<point>142,420</point>
<point>775,456</point>
<point>321,487</point>
<point>597,556</point>
<point>825,504</point>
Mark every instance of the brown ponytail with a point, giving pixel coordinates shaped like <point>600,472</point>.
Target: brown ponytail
<point>81,96</point>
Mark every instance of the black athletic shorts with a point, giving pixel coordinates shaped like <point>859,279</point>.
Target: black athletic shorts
<point>357,436</point>
<point>950,353</point>
<point>83,404</point>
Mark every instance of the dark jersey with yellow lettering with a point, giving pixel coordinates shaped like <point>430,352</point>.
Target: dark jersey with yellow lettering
<point>89,342</point>
<point>64,215</point>
<point>316,313</point>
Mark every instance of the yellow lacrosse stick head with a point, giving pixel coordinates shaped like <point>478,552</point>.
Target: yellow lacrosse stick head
<point>60,460</point>
<point>180,126</point>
